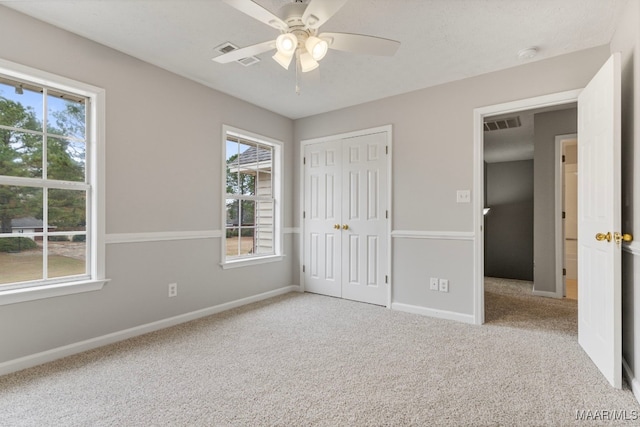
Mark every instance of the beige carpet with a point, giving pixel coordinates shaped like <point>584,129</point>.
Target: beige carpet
<point>304,359</point>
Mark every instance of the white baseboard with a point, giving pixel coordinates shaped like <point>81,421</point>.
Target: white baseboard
<point>75,348</point>
<point>631,379</point>
<point>545,294</point>
<point>431,312</point>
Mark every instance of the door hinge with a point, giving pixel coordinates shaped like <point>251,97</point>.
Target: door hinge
<point>304,160</point>
<point>304,214</point>
<point>564,215</point>
<point>386,279</point>
<point>563,158</point>
<point>564,271</point>
<point>386,149</point>
<point>387,214</point>
<point>303,268</point>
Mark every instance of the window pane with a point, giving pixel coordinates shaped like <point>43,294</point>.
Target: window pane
<point>246,241</point>
<point>20,209</point>
<point>65,159</point>
<point>232,242</point>
<point>232,168</point>
<point>67,210</point>
<point>20,154</point>
<point>66,255</point>
<point>233,213</point>
<point>248,212</point>
<point>265,158</point>
<point>264,185</point>
<point>247,184</point>
<point>264,227</point>
<point>20,259</point>
<point>20,110</point>
<point>248,158</point>
<point>65,117</point>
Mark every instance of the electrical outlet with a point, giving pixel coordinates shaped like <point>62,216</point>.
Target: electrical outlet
<point>463,196</point>
<point>173,289</point>
<point>444,285</point>
<point>433,283</point>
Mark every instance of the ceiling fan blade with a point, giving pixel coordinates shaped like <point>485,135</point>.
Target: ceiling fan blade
<point>245,52</point>
<point>258,12</point>
<point>319,11</point>
<point>359,43</point>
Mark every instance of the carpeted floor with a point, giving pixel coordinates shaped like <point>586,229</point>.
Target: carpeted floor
<point>304,359</point>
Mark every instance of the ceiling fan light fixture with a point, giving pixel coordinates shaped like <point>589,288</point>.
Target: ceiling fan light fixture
<point>316,47</point>
<point>282,59</point>
<point>307,63</point>
<point>286,44</point>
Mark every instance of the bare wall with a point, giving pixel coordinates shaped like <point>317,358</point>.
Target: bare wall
<point>627,41</point>
<point>546,127</point>
<point>508,238</point>
<point>163,174</point>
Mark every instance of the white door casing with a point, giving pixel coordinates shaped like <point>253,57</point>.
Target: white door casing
<point>346,238</point>
<point>599,211</point>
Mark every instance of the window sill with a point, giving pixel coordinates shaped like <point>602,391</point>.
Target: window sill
<point>14,296</point>
<point>251,261</point>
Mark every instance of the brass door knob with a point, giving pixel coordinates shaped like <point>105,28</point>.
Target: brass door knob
<point>337,226</point>
<point>345,227</point>
<point>600,237</point>
<point>619,237</point>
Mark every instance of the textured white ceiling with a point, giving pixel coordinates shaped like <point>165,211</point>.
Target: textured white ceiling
<point>442,41</point>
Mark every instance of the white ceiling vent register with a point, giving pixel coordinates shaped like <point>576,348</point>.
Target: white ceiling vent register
<point>230,47</point>
<point>505,123</point>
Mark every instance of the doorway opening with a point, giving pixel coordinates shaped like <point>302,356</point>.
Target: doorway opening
<point>567,214</point>
<point>538,105</point>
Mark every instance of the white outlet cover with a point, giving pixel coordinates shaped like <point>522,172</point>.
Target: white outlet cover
<point>463,196</point>
<point>444,285</point>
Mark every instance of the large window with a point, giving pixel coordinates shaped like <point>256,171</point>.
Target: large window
<point>48,191</point>
<point>251,227</point>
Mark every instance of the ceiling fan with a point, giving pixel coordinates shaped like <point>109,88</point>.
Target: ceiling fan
<point>298,24</point>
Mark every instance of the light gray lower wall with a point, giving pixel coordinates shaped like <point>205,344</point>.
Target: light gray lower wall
<point>433,156</point>
<point>508,237</point>
<point>546,127</point>
<point>627,41</point>
<point>163,174</point>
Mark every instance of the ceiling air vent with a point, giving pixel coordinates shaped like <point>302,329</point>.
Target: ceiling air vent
<point>499,124</point>
<point>229,47</point>
<point>248,61</point>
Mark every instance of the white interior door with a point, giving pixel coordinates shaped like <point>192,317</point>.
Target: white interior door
<point>599,260</point>
<point>364,208</point>
<point>345,216</point>
<point>323,218</point>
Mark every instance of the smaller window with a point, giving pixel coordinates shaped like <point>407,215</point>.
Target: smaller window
<point>251,197</point>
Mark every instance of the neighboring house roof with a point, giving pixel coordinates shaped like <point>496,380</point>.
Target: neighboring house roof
<point>27,222</point>
<point>249,156</point>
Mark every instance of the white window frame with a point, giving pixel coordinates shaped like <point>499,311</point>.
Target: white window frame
<point>95,162</point>
<point>277,171</point>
